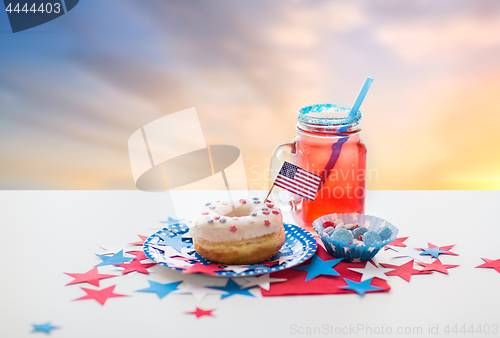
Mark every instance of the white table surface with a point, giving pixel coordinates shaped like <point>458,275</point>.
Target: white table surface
<point>46,233</point>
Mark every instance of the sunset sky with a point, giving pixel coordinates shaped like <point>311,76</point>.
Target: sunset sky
<point>73,90</point>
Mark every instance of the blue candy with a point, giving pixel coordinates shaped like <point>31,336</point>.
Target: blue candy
<point>222,220</point>
<point>265,209</point>
<point>256,202</point>
<point>371,237</point>
<point>255,198</point>
<point>212,207</point>
<point>208,204</point>
<point>210,220</point>
<point>253,214</point>
<point>342,235</point>
<point>385,233</point>
<point>358,232</point>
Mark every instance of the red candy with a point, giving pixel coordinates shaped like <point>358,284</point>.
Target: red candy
<point>276,212</point>
<point>265,212</point>
<point>243,201</point>
<point>233,229</point>
<point>267,223</point>
<point>356,226</point>
<point>205,213</point>
<point>270,205</point>
<point>268,201</point>
<point>328,224</point>
<point>360,237</point>
<point>216,217</point>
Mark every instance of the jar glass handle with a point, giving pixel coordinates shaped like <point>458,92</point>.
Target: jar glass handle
<point>283,199</point>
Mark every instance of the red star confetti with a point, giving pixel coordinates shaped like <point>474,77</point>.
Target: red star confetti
<point>200,268</point>
<point>92,277</point>
<point>397,242</point>
<point>141,242</point>
<point>404,271</point>
<point>490,263</point>
<point>200,313</point>
<point>436,266</point>
<point>135,265</point>
<point>139,255</point>
<point>101,296</point>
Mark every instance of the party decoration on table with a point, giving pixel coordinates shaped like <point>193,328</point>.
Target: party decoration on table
<point>297,181</point>
<point>101,296</point>
<point>360,287</point>
<point>209,269</point>
<point>200,313</point>
<point>112,249</point>
<point>135,266</point>
<point>175,241</point>
<point>115,259</point>
<point>92,277</point>
<point>397,242</point>
<point>404,271</point>
<point>232,288</point>
<point>370,271</point>
<point>139,255</point>
<point>198,290</point>
<point>338,231</point>
<point>47,328</point>
<point>321,285</point>
<point>141,242</point>
<point>172,221</point>
<point>408,252</point>
<point>263,281</point>
<point>436,266</point>
<point>160,289</point>
<point>299,246</point>
<point>319,267</point>
<point>435,251</point>
<point>490,263</point>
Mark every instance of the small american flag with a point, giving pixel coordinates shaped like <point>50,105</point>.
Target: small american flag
<point>298,181</point>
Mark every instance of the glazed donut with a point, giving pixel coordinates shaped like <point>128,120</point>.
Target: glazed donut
<point>249,234</point>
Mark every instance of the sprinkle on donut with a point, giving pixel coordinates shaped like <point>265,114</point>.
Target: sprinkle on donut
<point>270,205</point>
<point>276,212</point>
<point>233,229</point>
<point>243,201</point>
<point>267,223</point>
<point>265,212</point>
<point>205,213</point>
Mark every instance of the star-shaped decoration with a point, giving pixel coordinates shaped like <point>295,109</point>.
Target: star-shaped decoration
<point>169,252</point>
<point>237,268</point>
<point>115,259</point>
<point>161,290</point>
<point>263,281</point>
<point>436,266</point>
<point>490,263</point>
<point>171,221</point>
<point>360,287</point>
<point>371,271</point>
<point>283,256</point>
<point>397,242</point>
<point>367,223</point>
<point>139,255</point>
<point>200,313</point>
<point>47,327</point>
<point>135,265</point>
<point>92,277</point>
<point>434,250</point>
<point>175,262</point>
<point>175,242</point>
<point>197,290</point>
<point>101,296</point>
<point>408,252</point>
<point>354,217</point>
<point>404,271</point>
<point>318,267</point>
<point>141,242</point>
<point>232,288</point>
<point>200,268</point>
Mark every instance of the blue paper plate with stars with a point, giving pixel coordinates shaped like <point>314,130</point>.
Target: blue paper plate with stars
<point>172,247</point>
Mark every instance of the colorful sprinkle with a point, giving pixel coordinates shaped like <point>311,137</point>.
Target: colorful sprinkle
<point>243,201</point>
<point>276,212</point>
<point>212,207</point>
<point>216,217</point>
<point>208,204</point>
<point>265,209</point>
<point>265,212</point>
<point>233,229</point>
<point>267,223</point>
<point>210,221</point>
<point>205,213</point>
<point>270,205</point>
<point>268,200</point>
<point>222,220</point>
<point>255,198</point>
<point>253,214</point>
<point>256,202</point>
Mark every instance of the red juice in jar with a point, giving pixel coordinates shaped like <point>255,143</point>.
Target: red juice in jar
<point>327,144</point>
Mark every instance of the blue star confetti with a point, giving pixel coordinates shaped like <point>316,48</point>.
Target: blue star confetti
<point>171,221</point>
<point>161,290</point>
<point>115,259</point>
<point>232,288</point>
<point>175,242</point>
<point>360,287</point>
<point>319,267</point>
<point>434,252</point>
<point>47,327</point>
